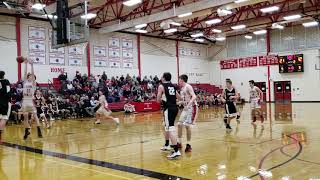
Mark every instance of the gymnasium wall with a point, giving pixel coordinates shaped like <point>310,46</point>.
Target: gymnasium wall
<point>157,55</point>
<point>293,40</point>
<point>8,50</point>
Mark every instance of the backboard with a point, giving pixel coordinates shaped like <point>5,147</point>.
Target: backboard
<point>75,28</point>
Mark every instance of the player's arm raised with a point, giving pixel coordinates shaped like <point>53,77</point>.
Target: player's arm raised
<point>160,92</point>
<point>25,70</point>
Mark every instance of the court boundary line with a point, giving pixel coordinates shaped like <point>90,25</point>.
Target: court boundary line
<point>113,166</point>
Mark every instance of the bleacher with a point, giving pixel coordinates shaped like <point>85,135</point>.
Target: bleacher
<point>208,87</point>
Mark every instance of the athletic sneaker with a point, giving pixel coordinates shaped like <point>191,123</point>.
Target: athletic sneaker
<point>188,148</point>
<point>229,129</point>
<point>26,134</point>
<point>174,155</point>
<point>165,148</point>
<point>179,145</point>
<point>117,120</point>
<point>97,121</point>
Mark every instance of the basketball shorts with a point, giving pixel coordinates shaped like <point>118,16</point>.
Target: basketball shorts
<point>169,115</point>
<point>104,111</point>
<point>5,110</point>
<point>188,116</point>
<point>40,112</point>
<point>231,110</point>
<point>255,104</point>
<point>27,106</point>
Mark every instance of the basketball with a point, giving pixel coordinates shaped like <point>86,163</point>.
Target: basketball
<point>20,59</point>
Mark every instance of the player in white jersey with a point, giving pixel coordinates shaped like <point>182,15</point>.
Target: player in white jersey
<point>29,88</point>
<point>256,97</point>
<point>190,111</point>
<point>103,110</point>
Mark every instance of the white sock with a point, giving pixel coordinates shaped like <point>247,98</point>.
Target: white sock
<point>188,142</point>
<point>179,140</point>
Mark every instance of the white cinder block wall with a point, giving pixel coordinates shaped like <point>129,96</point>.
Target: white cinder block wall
<point>157,55</point>
<point>307,82</point>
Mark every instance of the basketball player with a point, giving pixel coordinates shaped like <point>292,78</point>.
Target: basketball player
<point>4,101</point>
<point>256,97</point>
<point>167,94</point>
<point>29,87</point>
<point>103,110</point>
<point>238,112</point>
<point>40,102</point>
<point>229,97</point>
<point>189,112</point>
<point>53,108</point>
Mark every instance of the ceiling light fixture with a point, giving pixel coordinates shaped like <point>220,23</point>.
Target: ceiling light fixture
<point>240,1</point>
<point>88,16</point>
<point>197,35</point>
<point>237,27</point>
<point>270,9</point>
<point>277,26</point>
<point>216,31</point>
<point>223,12</point>
<point>175,24</point>
<point>248,37</point>
<point>141,26</point>
<point>172,30</point>
<point>199,40</point>
<point>292,17</point>
<point>38,6</point>
<point>220,38</point>
<point>141,31</point>
<point>185,15</point>
<point>260,32</point>
<point>213,21</point>
<point>310,24</point>
<point>132,2</point>
<point>50,16</point>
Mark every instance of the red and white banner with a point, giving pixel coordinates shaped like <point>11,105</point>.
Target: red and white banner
<point>268,60</point>
<point>248,62</point>
<point>229,64</point>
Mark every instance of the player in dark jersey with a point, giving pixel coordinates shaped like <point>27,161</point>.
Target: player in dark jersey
<point>4,101</point>
<point>168,95</point>
<point>229,97</point>
<point>40,104</point>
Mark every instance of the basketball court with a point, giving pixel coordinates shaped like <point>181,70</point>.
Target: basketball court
<point>274,43</point>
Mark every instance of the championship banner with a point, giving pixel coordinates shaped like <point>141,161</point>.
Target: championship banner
<point>37,33</point>
<point>127,65</point>
<point>114,53</point>
<point>100,63</point>
<point>127,43</point>
<point>38,58</point>
<point>127,54</point>
<point>37,46</point>
<point>76,50</point>
<point>229,64</point>
<point>268,60</point>
<point>248,62</point>
<point>115,64</point>
<point>99,51</point>
<point>114,42</point>
<point>75,61</point>
<point>182,51</point>
<point>56,59</point>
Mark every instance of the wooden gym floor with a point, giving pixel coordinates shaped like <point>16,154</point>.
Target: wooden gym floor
<point>288,148</point>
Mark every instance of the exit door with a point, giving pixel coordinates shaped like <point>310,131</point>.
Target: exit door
<point>263,87</point>
<point>282,91</point>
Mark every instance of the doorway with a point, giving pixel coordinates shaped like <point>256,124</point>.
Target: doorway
<point>282,91</point>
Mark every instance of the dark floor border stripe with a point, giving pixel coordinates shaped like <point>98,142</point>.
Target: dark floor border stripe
<point>109,165</point>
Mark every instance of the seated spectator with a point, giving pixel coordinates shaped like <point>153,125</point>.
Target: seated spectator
<point>128,108</point>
